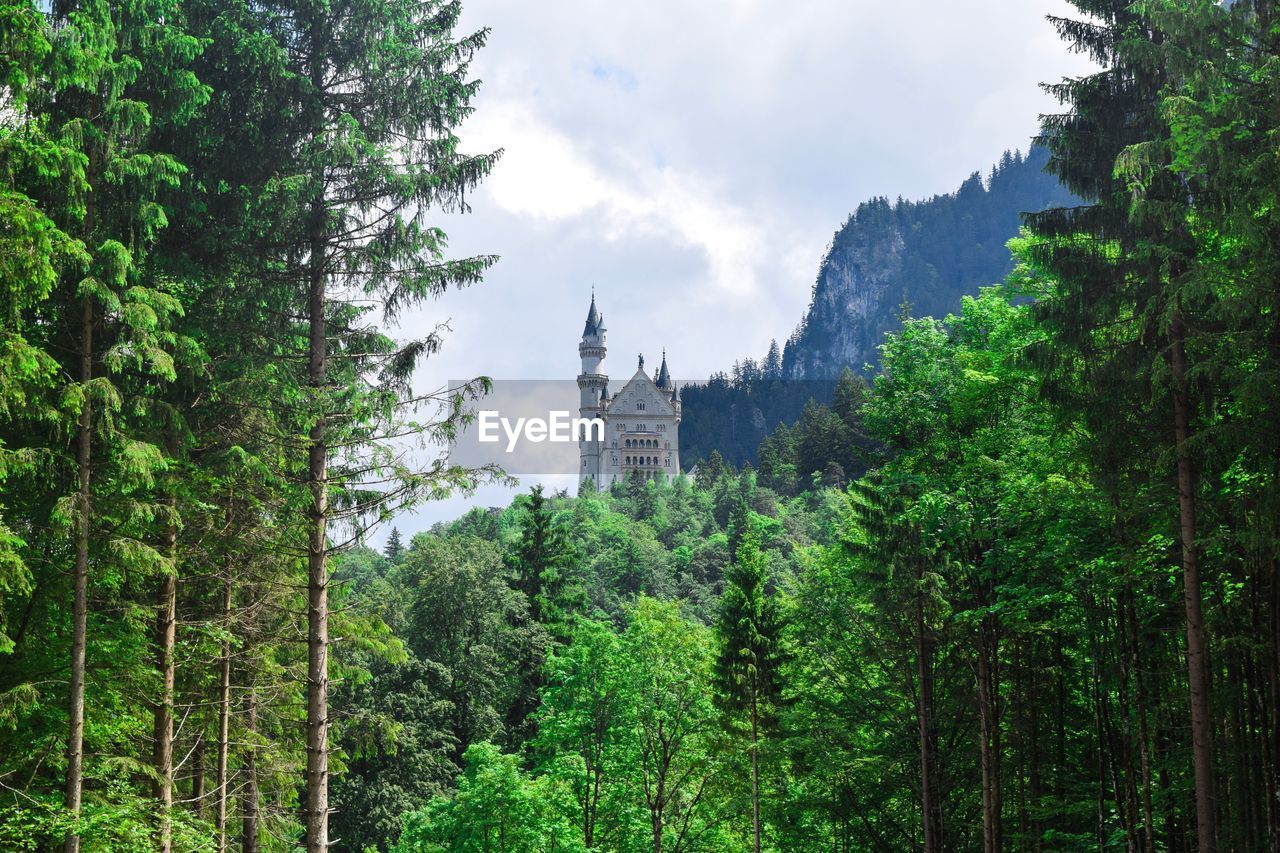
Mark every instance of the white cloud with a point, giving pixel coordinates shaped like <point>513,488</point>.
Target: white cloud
<point>548,176</point>
<point>692,158</point>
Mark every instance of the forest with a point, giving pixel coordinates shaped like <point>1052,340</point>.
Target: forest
<point>1019,591</point>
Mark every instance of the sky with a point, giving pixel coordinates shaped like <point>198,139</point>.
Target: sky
<point>691,160</point>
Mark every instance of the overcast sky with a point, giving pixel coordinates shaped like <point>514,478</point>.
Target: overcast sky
<point>692,159</point>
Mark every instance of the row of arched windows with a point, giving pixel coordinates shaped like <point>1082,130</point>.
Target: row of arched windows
<point>641,442</point>
<point>643,460</point>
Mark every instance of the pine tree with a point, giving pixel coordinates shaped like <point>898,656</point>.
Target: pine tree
<point>377,89</point>
<point>113,76</point>
<point>1125,297</point>
<point>540,563</point>
<point>773,361</point>
<point>395,548</point>
<point>747,666</point>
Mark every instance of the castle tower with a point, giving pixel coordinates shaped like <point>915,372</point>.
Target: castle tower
<point>593,390</point>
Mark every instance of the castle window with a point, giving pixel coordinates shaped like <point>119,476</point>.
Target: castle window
<point>640,407</point>
<point>668,463</point>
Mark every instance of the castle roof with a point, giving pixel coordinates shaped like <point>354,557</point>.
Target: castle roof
<point>664,375</point>
<point>594,321</point>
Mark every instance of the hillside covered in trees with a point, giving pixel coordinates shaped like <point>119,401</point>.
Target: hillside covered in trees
<point>918,257</point>
<point>1020,590</point>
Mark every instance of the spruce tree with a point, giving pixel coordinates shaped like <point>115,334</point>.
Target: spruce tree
<point>1125,305</point>
<point>113,76</point>
<point>373,92</point>
<point>395,547</point>
<point>747,666</point>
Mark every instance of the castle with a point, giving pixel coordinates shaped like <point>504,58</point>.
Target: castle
<point>642,420</point>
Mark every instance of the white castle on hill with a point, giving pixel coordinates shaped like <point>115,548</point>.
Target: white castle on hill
<point>642,420</point>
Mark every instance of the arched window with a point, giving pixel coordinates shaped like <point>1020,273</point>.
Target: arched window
<point>639,407</point>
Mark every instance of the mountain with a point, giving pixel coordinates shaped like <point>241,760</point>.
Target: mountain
<point>925,254</point>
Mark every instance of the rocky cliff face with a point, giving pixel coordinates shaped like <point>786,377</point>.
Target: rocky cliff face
<point>923,255</point>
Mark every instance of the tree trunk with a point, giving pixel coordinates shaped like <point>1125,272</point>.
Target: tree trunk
<point>929,806</point>
<point>1197,642</point>
<point>249,825</point>
<point>755,772</point>
<point>989,738</point>
<point>317,552</point>
<point>1144,736</point>
<point>1273,708</point>
<point>80,604</point>
<point>162,745</point>
<point>198,759</point>
<point>224,715</point>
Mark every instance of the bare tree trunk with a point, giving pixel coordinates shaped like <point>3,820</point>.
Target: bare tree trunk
<point>929,806</point>
<point>989,739</point>
<point>198,758</point>
<point>317,553</point>
<point>1144,736</point>
<point>80,604</point>
<point>755,772</point>
<point>1197,642</point>
<point>1272,709</point>
<point>656,805</point>
<point>162,744</point>
<point>249,825</point>
<point>224,715</point>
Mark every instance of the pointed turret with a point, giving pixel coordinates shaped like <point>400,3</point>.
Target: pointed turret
<point>594,321</point>
<point>593,387</point>
<point>664,375</point>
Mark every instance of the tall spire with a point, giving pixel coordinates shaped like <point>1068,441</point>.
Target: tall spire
<point>593,316</point>
<point>664,375</point>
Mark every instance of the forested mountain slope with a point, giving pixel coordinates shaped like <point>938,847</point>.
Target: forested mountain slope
<point>925,255</point>
<point>921,255</point>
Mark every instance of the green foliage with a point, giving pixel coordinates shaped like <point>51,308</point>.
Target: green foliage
<point>958,609</point>
<point>496,808</point>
